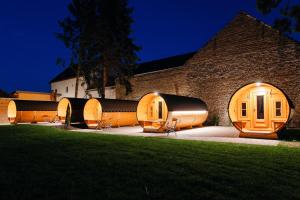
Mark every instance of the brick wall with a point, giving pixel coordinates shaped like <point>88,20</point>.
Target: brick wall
<point>170,81</point>
<point>245,51</point>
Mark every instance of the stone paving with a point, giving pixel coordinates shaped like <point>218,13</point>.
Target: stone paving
<point>213,134</point>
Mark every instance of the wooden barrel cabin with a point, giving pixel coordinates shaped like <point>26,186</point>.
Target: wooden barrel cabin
<point>158,112</point>
<point>25,111</point>
<point>76,106</point>
<point>110,112</point>
<point>260,110</point>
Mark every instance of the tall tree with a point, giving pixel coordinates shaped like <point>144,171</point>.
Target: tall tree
<point>288,20</point>
<point>77,30</point>
<point>99,34</point>
<point>113,50</point>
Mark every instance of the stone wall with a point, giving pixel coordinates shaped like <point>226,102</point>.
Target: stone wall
<point>170,81</point>
<point>246,51</point>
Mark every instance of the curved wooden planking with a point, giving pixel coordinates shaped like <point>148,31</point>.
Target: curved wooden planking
<point>156,110</point>
<point>259,108</point>
<point>110,112</point>
<point>76,109</point>
<point>25,111</point>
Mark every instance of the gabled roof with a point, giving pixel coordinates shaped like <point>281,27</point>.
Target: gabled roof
<point>146,67</point>
<point>267,25</point>
<point>164,63</point>
<point>68,73</point>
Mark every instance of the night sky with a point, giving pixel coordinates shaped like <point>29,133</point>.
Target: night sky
<point>162,28</point>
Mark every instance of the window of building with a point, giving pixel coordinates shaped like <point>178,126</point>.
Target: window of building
<point>160,110</point>
<point>67,89</point>
<point>278,108</point>
<point>244,109</point>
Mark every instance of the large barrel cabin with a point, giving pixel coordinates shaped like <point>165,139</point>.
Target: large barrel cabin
<point>157,111</point>
<point>75,105</point>
<point>260,110</point>
<point>26,111</point>
<point>110,112</point>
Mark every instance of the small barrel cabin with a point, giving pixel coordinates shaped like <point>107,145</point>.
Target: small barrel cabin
<point>26,111</point>
<point>76,106</point>
<point>157,112</point>
<point>110,112</point>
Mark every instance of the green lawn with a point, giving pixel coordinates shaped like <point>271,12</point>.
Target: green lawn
<point>47,163</point>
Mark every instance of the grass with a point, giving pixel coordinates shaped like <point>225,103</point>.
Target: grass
<point>47,163</point>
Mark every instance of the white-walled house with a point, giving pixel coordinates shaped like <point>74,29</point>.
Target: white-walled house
<point>64,85</point>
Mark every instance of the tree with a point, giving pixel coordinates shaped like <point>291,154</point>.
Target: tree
<point>68,117</point>
<point>76,34</point>
<point>99,35</point>
<point>289,14</point>
<point>113,50</point>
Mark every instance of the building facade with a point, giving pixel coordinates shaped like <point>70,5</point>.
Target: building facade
<point>246,51</point>
<point>65,83</point>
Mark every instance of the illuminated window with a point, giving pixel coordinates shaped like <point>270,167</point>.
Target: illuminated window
<point>159,110</point>
<point>278,108</point>
<point>244,109</point>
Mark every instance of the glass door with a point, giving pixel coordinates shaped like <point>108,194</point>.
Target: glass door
<point>260,110</point>
<point>260,107</point>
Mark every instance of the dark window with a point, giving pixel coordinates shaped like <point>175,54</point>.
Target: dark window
<point>151,111</point>
<point>244,110</point>
<point>260,107</point>
<point>159,110</point>
<point>67,89</point>
<point>278,108</point>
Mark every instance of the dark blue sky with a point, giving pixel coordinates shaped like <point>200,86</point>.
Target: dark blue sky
<point>162,28</point>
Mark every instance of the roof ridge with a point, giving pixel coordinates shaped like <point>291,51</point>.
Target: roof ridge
<point>168,57</point>
<point>266,24</point>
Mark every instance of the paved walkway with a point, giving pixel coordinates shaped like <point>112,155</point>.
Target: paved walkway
<point>213,134</point>
<point>4,124</point>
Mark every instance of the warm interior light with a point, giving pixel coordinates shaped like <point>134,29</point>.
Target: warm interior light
<point>189,112</point>
<point>156,93</point>
<point>258,84</point>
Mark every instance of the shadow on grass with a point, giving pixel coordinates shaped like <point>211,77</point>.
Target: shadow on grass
<point>289,134</point>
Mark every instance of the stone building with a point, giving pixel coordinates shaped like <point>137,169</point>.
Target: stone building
<point>246,51</point>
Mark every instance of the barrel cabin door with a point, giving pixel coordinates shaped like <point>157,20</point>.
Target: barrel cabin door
<point>156,109</point>
<point>260,110</point>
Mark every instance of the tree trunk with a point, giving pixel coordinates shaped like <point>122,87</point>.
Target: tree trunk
<point>77,81</point>
<point>68,117</point>
<point>105,81</point>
